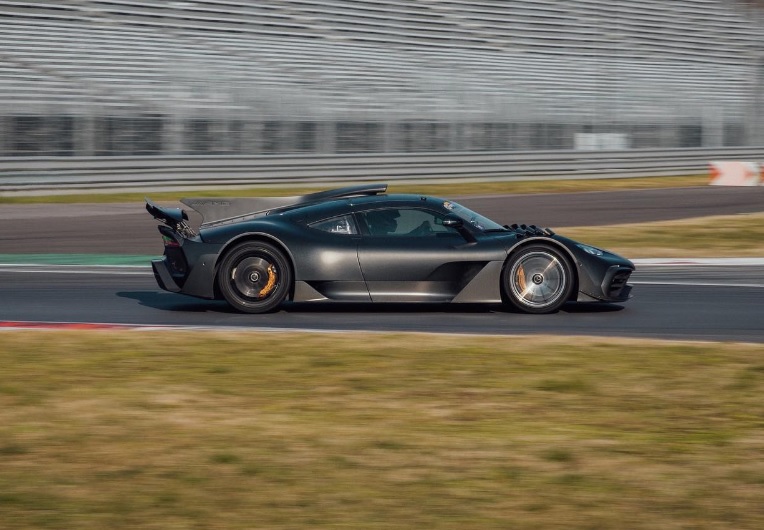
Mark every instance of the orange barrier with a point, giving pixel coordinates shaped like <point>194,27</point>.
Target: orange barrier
<point>731,173</point>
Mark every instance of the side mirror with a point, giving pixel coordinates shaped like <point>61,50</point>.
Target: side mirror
<point>452,221</point>
<point>457,223</point>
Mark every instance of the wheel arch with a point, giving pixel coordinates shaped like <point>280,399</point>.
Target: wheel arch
<point>544,241</point>
<point>252,237</point>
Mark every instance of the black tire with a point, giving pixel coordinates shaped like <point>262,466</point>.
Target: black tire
<point>538,279</point>
<point>255,277</point>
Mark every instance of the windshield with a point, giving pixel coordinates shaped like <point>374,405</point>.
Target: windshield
<point>475,219</point>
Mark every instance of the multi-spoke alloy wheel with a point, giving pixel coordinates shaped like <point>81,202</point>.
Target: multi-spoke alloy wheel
<point>254,277</point>
<point>538,279</point>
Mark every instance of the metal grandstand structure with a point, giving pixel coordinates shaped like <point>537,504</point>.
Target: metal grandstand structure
<point>112,77</point>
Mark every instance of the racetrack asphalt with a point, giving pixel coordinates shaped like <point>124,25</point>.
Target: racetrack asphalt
<point>674,302</point>
<point>128,228</point>
<point>713,302</point>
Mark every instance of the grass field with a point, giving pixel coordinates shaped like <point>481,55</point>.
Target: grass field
<point>289,431</point>
<point>717,236</point>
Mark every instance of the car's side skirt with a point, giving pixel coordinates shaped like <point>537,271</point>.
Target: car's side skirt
<point>336,291</point>
<point>485,287</point>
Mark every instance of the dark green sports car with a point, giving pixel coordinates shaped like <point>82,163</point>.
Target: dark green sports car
<point>360,244</point>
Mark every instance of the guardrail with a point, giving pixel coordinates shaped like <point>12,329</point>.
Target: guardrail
<point>59,174</point>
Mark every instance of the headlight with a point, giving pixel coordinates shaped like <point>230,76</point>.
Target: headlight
<point>594,251</point>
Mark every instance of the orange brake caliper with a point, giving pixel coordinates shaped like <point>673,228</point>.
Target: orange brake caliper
<point>521,279</point>
<point>272,277</point>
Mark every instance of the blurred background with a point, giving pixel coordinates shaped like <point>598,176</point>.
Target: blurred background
<point>116,78</point>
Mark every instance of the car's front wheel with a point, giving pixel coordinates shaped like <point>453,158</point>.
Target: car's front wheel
<point>255,277</point>
<point>538,279</point>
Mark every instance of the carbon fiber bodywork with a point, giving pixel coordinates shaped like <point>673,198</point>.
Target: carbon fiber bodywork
<point>461,262</point>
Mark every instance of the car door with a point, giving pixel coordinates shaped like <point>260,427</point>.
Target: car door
<point>329,262</point>
<point>407,255</point>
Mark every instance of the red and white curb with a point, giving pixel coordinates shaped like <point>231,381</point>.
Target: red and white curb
<point>21,324</point>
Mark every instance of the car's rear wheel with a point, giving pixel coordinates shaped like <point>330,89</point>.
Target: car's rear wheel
<point>255,277</point>
<point>538,279</point>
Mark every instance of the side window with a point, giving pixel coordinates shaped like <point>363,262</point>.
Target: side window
<point>404,222</point>
<point>336,225</point>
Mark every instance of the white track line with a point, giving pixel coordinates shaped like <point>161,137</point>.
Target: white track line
<point>689,262</point>
<point>701,284</point>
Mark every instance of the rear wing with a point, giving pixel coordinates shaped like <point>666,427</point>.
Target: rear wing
<point>175,218</point>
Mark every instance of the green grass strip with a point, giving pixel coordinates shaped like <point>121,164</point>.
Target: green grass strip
<point>75,259</point>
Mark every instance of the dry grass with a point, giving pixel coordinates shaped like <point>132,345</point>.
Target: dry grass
<point>718,236</point>
<point>551,186</point>
<point>452,189</point>
<point>212,430</point>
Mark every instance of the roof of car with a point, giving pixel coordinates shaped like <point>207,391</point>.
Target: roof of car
<point>337,205</point>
